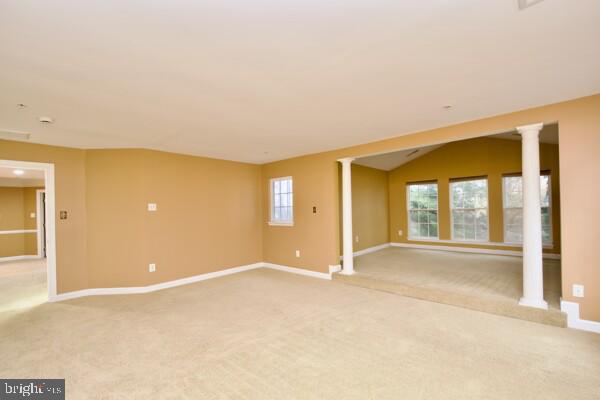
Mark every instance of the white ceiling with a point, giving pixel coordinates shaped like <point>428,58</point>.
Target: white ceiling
<point>31,178</point>
<point>390,161</point>
<point>265,80</point>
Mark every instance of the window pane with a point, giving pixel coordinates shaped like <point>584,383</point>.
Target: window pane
<point>422,210</point>
<point>469,210</point>
<point>545,190</point>
<point>281,200</point>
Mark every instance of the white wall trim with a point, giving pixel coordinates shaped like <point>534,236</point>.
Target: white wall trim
<point>472,242</point>
<point>16,231</point>
<point>335,268</point>
<point>155,287</point>
<point>470,250</point>
<point>188,280</point>
<point>299,271</point>
<point>18,258</point>
<point>38,221</point>
<point>50,216</point>
<point>572,310</point>
<point>369,250</point>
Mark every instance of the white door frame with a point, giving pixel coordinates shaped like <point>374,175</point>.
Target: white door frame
<point>38,207</point>
<point>50,216</point>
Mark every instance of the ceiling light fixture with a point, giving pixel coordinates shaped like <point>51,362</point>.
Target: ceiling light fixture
<point>447,107</point>
<point>412,152</point>
<point>21,105</point>
<point>46,120</point>
<point>523,4</point>
<point>18,172</point>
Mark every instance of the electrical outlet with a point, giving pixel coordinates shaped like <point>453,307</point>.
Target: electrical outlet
<point>298,253</point>
<point>151,206</point>
<point>577,290</point>
<point>151,267</point>
<point>400,232</point>
<point>356,239</point>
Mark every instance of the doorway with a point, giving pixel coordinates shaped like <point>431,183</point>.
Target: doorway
<point>27,232</point>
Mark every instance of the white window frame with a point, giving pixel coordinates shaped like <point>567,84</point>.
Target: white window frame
<point>487,186</point>
<point>408,210</point>
<point>272,221</point>
<point>546,245</point>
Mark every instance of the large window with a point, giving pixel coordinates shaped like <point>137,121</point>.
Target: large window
<point>282,201</point>
<point>469,210</point>
<point>512,187</point>
<point>422,210</point>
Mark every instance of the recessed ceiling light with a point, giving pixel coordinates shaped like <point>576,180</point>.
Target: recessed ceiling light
<point>18,172</point>
<point>46,120</point>
<point>21,105</point>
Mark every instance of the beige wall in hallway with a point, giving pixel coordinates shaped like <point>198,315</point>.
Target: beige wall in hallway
<point>16,206</point>
<point>579,126</point>
<point>370,216</point>
<point>490,157</point>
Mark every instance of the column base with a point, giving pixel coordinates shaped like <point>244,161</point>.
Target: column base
<point>342,272</point>
<point>535,303</point>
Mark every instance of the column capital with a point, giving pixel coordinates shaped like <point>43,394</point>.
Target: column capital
<point>532,129</point>
<point>346,160</point>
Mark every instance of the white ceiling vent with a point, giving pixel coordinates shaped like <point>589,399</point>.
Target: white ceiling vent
<point>523,4</point>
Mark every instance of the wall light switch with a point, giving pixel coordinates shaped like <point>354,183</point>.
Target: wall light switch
<point>400,232</point>
<point>31,215</point>
<point>298,253</point>
<point>151,206</point>
<point>577,290</point>
<point>151,267</point>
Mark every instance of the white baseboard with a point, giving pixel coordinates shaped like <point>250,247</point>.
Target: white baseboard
<point>572,310</point>
<point>369,250</point>
<point>471,250</point>
<point>155,287</point>
<point>19,258</point>
<point>300,271</point>
<point>335,268</point>
<point>186,281</point>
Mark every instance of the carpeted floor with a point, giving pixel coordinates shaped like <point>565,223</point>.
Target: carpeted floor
<point>267,334</point>
<point>481,275</point>
<point>22,284</point>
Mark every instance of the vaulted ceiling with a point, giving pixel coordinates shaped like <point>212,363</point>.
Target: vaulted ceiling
<point>263,80</point>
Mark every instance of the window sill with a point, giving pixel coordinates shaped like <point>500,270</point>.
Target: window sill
<point>272,223</point>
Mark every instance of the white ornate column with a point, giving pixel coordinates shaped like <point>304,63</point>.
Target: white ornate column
<point>348,257</point>
<point>533,272</point>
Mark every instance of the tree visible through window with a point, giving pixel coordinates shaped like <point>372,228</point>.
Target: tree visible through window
<point>282,201</point>
<point>513,209</point>
<point>422,211</point>
<point>469,207</point>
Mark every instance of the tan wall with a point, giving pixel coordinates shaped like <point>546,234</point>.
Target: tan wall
<point>316,184</point>
<point>579,126</point>
<point>370,217</point>
<point>489,157</point>
<point>207,218</point>
<point>16,204</point>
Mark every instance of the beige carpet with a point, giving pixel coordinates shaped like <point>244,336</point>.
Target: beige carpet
<point>481,275</point>
<point>22,284</point>
<point>267,334</point>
